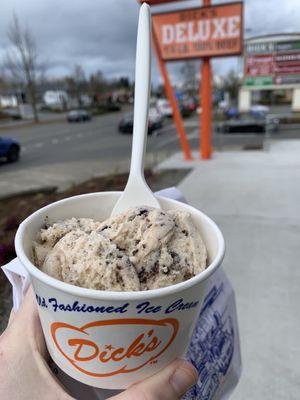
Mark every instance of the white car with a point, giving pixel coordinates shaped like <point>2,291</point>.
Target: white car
<point>223,105</point>
<point>259,108</point>
<point>155,116</point>
<point>155,121</point>
<point>164,107</point>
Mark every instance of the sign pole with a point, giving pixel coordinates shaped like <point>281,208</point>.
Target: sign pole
<point>205,118</point>
<point>205,32</point>
<point>173,103</point>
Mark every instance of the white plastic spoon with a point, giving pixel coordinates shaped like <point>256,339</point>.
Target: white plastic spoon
<point>137,192</point>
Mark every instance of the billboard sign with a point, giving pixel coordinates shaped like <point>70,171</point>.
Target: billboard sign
<point>260,48</point>
<point>288,46</point>
<point>258,81</point>
<point>269,63</point>
<point>259,65</point>
<point>287,63</point>
<point>200,32</point>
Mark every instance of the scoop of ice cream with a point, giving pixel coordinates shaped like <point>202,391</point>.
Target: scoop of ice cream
<point>51,234</point>
<point>143,248</point>
<point>90,260</point>
<point>164,246</point>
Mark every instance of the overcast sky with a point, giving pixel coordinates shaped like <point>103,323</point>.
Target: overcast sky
<point>100,34</point>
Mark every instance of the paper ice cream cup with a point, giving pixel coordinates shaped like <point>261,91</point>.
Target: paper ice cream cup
<point>114,339</point>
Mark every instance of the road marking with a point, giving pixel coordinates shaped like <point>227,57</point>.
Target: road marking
<point>191,124</point>
<point>163,143</point>
<point>54,141</point>
<point>39,144</point>
<point>165,129</point>
<point>67,138</point>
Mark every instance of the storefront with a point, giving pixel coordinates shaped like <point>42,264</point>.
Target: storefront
<point>271,62</point>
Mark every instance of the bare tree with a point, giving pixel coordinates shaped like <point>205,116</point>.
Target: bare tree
<point>22,60</point>
<point>77,84</point>
<point>190,80</point>
<point>232,84</point>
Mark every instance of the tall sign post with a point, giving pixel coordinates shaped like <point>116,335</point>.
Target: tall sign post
<point>206,104</point>
<point>205,32</point>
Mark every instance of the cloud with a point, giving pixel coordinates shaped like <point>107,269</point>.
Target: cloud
<point>101,34</point>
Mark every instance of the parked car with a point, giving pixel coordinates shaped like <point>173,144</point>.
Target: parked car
<point>259,109</point>
<point>78,116</point>
<point>9,149</point>
<point>247,123</point>
<point>232,112</point>
<point>186,106</point>
<point>155,121</point>
<point>189,102</point>
<point>164,107</point>
<point>223,105</point>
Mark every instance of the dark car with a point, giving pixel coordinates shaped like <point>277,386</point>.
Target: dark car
<point>187,106</point>
<point>251,124</point>
<point>78,116</point>
<point>9,149</point>
<point>155,121</point>
<point>185,109</point>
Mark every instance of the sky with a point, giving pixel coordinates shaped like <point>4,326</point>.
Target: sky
<point>101,34</point>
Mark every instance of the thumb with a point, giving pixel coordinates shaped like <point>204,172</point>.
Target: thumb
<point>168,384</point>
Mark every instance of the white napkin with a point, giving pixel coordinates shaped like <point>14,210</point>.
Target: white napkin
<point>19,279</point>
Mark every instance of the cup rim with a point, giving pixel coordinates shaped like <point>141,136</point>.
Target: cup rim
<point>114,295</point>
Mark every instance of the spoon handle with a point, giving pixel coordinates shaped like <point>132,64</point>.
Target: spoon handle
<point>141,92</point>
<point>137,192</point>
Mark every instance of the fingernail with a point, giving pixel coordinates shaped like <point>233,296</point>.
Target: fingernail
<point>183,378</point>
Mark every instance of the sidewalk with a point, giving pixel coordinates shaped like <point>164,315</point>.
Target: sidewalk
<point>44,118</point>
<point>61,176</point>
<point>255,199</point>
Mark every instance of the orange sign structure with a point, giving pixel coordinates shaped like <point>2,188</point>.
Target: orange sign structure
<point>201,32</point>
<point>156,2</point>
<point>209,31</point>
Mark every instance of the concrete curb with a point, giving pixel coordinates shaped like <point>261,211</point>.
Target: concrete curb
<point>43,190</point>
<point>26,124</point>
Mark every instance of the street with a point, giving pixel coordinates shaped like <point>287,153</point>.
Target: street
<point>94,140</point>
<point>61,154</point>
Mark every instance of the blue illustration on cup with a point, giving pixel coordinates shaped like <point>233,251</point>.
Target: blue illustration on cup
<point>211,348</point>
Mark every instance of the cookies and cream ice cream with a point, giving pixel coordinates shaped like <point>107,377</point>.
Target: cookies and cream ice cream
<point>143,248</point>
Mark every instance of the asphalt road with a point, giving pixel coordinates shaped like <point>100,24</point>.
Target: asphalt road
<point>59,153</point>
<point>97,139</point>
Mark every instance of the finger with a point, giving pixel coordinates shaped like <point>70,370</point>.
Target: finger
<point>26,320</point>
<point>19,316</point>
<point>168,384</point>
<point>30,313</point>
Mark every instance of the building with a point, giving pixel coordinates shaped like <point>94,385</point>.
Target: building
<point>56,99</point>
<point>8,101</point>
<point>271,62</point>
